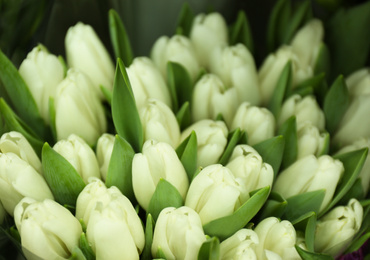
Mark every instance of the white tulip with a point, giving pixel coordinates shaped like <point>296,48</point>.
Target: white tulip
<point>18,179</point>
<point>147,82</point>
<point>240,246</point>
<point>42,72</point>
<point>305,109</point>
<point>310,174</point>
<point>179,233</point>
<point>104,149</point>
<point>208,32</point>
<point>159,123</point>
<point>47,229</point>
<point>14,142</point>
<point>177,49</point>
<point>258,122</point>
<point>157,160</point>
<point>80,155</point>
<point>211,98</point>
<point>336,229</point>
<point>236,68</point>
<point>248,167</point>
<point>78,109</point>
<point>211,140</point>
<point>309,140</point>
<point>86,52</point>
<point>214,193</point>
<point>358,82</point>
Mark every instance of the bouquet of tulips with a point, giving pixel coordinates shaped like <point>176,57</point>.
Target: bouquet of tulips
<point>191,153</point>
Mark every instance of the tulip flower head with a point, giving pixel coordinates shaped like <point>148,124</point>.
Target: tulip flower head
<point>241,245</point>
<point>104,149</point>
<point>310,140</point>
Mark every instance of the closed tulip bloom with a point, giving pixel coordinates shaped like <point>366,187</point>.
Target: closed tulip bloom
<point>358,82</point>
<point>80,155</point>
<point>47,229</point>
<point>104,149</point>
<point>211,98</point>
<point>18,179</point>
<point>78,109</point>
<point>42,73</point>
<point>179,233</point>
<point>211,140</point>
<point>159,123</point>
<point>236,68</point>
<point>214,193</point>
<point>310,174</point>
<point>305,109</point>
<point>248,167</point>
<point>208,32</point>
<point>15,142</point>
<point>276,239</point>
<point>157,161</point>
<point>240,246</point>
<point>310,140</point>
<point>336,229</point>
<point>177,49</point>
<point>147,82</point>
<point>86,52</point>
<point>258,122</point>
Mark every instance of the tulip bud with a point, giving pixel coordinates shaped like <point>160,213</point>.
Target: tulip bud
<point>76,105</point>
<point>176,49</point>
<point>310,141</point>
<point>272,67</point>
<point>211,140</point>
<point>86,52</point>
<point>104,149</point>
<point>276,239</point>
<point>159,123</point>
<point>80,155</point>
<point>179,233</point>
<point>47,229</point>
<point>305,109</point>
<point>19,179</point>
<point>211,98</point>
<point>157,160</point>
<point>236,68</point>
<point>248,167</point>
<point>307,41</point>
<point>310,174</point>
<point>258,122</point>
<point>365,171</point>
<point>42,72</point>
<point>241,245</point>
<point>214,193</point>
<point>208,32</point>
<point>336,229</point>
<point>114,230</point>
<point>358,82</point>
<point>147,82</point>
<point>14,142</point>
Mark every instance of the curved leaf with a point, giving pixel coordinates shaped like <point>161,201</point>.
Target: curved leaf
<point>183,116</point>
<point>289,131</point>
<point>307,224</point>
<point>86,248</point>
<point>274,206</point>
<point>312,256</point>
<point>149,229</point>
<point>185,20</point>
<point>241,33</point>
<point>187,153</point>
<point>234,138</point>
<point>210,249</point>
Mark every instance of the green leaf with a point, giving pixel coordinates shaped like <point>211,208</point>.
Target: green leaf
<point>355,192</point>
<point>119,38</point>
<point>283,85</point>
<point>352,162</point>
<point>124,111</point>
<point>226,226</point>
<point>62,178</point>
<point>22,100</point>
<point>107,94</point>
<point>336,103</point>
<point>149,229</point>
<point>120,168</point>
<point>86,248</point>
<point>77,254</point>
<point>312,256</point>
<point>307,224</point>
<point>165,195</point>
<point>273,207</point>
<point>210,249</point>
<point>241,33</point>
<point>183,116</point>
<point>289,131</point>
<point>52,117</point>
<point>315,82</point>
<point>325,148</point>
<point>233,139</point>
<point>357,244</point>
<point>322,64</point>
<point>279,16</point>
<point>185,20</point>
<point>301,204</point>
<point>187,153</point>
<point>272,151</point>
